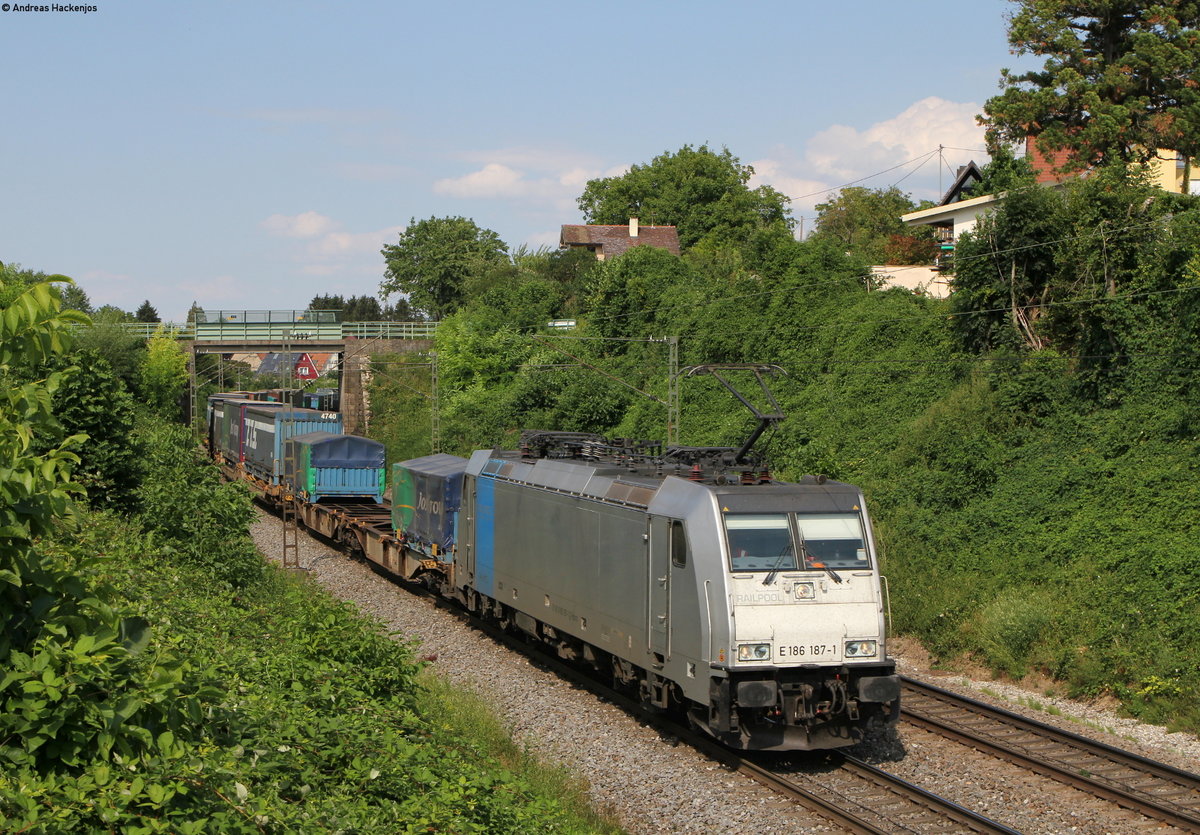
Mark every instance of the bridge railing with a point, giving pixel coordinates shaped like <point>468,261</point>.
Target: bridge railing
<point>276,331</point>
<point>389,330</point>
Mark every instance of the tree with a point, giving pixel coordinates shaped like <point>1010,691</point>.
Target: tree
<point>1005,271</point>
<point>1005,172</point>
<point>435,258</point>
<point>163,374</point>
<point>696,190</point>
<point>362,309</point>
<point>111,314</point>
<point>146,313</point>
<point>114,344</point>
<point>1121,80</point>
<point>73,298</point>
<point>93,401</point>
<point>327,302</point>
<point>862,221</point>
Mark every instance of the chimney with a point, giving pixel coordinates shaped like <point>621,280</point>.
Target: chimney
<point>633,227</point>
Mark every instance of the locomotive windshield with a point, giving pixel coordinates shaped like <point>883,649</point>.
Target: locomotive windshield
<point>833,539</point>
<point>771,542</point>
<point>761,542</point>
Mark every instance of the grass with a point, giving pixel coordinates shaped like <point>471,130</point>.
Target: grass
<point>462,712</point>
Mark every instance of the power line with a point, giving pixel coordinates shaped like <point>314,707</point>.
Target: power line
<point>860,278</point>
<point>923,157</point>
<point>600,371</point>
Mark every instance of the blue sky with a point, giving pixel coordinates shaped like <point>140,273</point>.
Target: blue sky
<point>251,155</point>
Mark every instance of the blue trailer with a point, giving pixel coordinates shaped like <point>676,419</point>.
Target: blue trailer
<point>329,465</point>
<point>426,494</point>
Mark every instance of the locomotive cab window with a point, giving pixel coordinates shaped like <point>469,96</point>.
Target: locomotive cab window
<point>832,540</point>
<point>773,542</point>
<point>760,542</point>
<point>679,546</point>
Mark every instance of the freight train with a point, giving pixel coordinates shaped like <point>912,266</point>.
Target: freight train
<point>688,575</point>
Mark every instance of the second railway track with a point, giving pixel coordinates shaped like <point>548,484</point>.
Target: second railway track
<point>1151,788</point>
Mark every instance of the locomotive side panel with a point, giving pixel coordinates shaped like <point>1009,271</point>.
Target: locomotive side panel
<point>577,565</point>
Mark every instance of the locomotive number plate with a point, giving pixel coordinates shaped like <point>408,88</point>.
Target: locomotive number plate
<point>806,650</point>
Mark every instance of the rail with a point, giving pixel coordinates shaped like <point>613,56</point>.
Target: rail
<point>1134,782</point>
<point>389,330</point>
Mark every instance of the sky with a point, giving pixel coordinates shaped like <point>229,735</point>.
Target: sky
<point>251,155</point>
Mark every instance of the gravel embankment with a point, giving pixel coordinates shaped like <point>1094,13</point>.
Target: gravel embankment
<point>652,786</point>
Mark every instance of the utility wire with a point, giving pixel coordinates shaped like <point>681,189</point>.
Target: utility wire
<point>859,278</point>
<point>600,371</point>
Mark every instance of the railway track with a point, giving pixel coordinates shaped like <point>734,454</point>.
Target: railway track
<point>865,799</point>
<point>855,795</point>
<point>1151,788</point>
<point>860,797</point>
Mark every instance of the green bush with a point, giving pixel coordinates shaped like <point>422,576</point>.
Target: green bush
<point>191,514</point>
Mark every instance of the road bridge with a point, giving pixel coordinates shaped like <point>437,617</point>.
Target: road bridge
<point>296,332</point>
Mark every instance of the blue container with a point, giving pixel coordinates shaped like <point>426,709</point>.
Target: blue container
<point>426,494</point>
<point>226,424</point>
<point>330,465</point>
<point>265,427</point>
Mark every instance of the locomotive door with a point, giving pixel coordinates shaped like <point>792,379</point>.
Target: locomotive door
<point>658,583</point>
<point>466,534</point>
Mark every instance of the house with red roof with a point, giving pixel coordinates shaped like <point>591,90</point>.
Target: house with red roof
<point>610,241</point>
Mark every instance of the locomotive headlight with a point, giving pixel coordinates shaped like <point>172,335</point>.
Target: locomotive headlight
<point>754,652</point>
<point>861,649</point>
<point>805,591</point>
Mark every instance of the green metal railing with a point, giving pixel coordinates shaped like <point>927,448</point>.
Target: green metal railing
<point>274,327</point>
<point>389,330</point>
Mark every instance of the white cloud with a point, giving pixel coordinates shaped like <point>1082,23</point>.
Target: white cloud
<point>322,247</point>
<point>493,180</point>
<point>842,151</point>
<point>879,156</point>
<point>552,179</point>
<point>336,244</point>
<point>304,225</point>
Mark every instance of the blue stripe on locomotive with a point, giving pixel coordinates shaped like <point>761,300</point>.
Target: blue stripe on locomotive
<point>485,536</point>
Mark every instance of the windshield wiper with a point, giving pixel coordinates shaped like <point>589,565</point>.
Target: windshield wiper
<point>778,564</point>
<point>833,575</point>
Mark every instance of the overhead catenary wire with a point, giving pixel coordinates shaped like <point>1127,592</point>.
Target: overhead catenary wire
<point>600,371</point>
